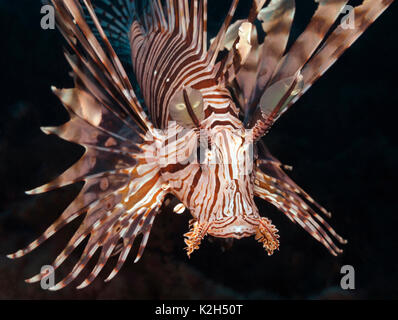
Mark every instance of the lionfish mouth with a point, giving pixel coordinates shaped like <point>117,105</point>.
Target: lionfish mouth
<point>235,227</point>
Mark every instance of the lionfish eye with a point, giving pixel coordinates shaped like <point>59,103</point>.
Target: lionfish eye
<point>186,107</point>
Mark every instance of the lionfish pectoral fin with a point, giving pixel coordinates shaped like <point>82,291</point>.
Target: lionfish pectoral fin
<point>123,189</point>
<point>117,206</point>
<point>273,185</point>
<point>97,66</point>
<point>122,215</point>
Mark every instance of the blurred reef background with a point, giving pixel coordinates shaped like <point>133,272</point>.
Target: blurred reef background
<point>340,138</point>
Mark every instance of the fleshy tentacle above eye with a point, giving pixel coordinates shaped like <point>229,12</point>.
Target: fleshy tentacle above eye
<point>123,189</point>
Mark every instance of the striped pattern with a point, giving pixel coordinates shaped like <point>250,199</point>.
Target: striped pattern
<point>202,150</point>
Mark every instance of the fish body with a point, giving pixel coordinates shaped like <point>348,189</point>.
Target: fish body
<point>199,138</point>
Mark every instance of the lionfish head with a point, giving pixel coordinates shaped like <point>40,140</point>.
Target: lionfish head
<point>218,186</point>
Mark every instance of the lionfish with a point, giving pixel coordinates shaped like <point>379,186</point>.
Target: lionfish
<point>209,100</point>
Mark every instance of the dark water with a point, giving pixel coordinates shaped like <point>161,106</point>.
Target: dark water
<point>340,137</point>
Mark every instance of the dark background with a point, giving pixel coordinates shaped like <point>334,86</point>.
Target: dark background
<point>340,138</point>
